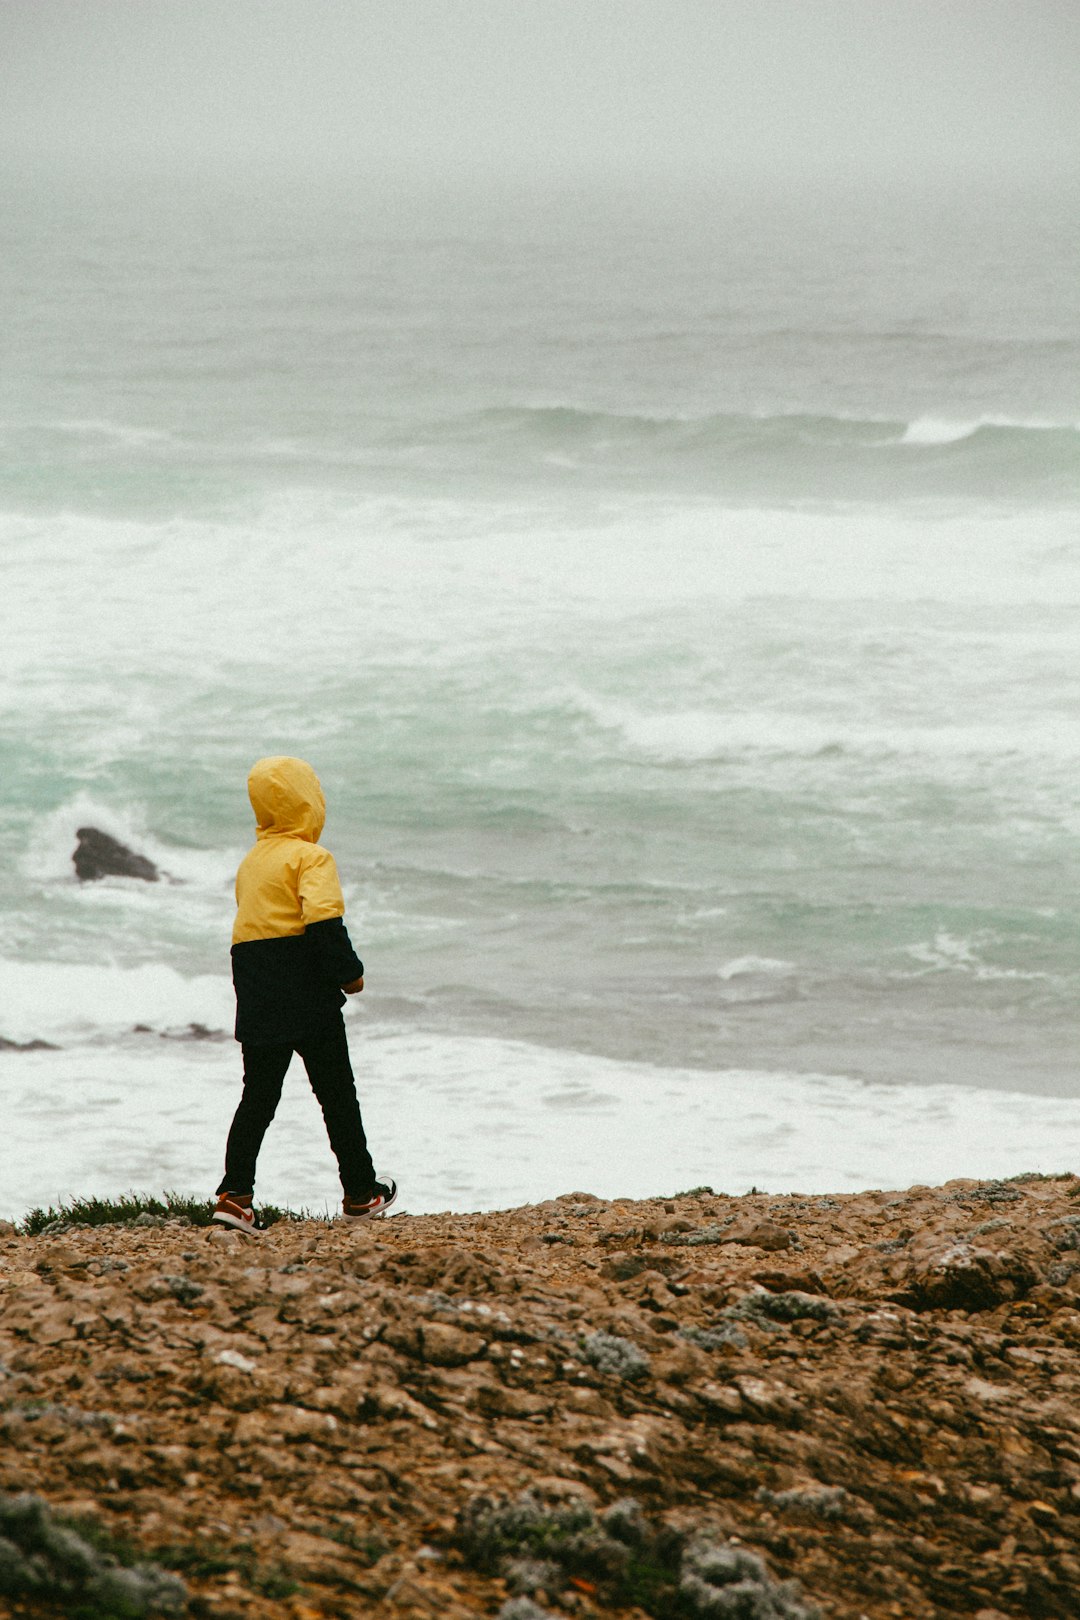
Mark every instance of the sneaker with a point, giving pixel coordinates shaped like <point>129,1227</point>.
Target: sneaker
<point>234,1209</point>
<point>377,1202</point>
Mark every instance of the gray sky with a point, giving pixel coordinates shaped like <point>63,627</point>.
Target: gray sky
<point>546,88</point>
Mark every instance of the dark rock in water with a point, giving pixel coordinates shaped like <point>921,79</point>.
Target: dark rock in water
<point>187,1032</point>
<point>194,1032</point>
<point>99,855</point>
<point>27,1046</point>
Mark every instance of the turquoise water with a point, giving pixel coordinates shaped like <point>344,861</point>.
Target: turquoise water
<point>680,600</point>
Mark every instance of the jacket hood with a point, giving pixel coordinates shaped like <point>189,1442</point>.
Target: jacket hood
<point>287,798</point>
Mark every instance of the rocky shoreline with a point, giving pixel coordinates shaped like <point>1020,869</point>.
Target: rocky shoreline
<point>855,1406</point>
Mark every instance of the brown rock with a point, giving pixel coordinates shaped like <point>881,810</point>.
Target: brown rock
<point>937,1271</point>
<point>621,1267</point>
<point>767,1399</point>
<point>295,1423</point>
<point>786,1282</point>
<point>497,1400</point>
<point>439,1343</point>
<point>762,1235</point>
<point>721,1400</point>
<point>53,1323</point>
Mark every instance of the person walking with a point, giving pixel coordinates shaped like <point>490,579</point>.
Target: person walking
<point>293,964</point>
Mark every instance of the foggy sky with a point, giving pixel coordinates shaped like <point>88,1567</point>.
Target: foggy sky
<point>545,89</point>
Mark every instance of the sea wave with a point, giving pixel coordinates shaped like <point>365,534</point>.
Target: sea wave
<point>947,953</point>
<point>790,457</point>
<point>66,1003</point>
<point>690,736</point>
<point>813,454</point>
<point>741,967</point>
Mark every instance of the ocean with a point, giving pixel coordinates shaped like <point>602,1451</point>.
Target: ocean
<point>679,597</point>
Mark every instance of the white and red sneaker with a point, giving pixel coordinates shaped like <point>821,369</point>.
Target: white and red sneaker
<point>234,1209</point>
<point>377,1202</point>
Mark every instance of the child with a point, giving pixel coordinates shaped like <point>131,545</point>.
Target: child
<point>292,960</point>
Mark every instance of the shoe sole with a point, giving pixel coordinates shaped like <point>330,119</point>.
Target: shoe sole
<point>247,1227</point>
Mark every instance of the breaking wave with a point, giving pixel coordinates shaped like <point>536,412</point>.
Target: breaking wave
<point>793,454</point>
<point>782,457</point>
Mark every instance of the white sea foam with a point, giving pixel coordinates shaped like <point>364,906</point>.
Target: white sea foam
<point>931,430</point>
<point>700,734</point>
<point>744,966</point>
<point>945,953</point>
<point>480,577</point>
<point>471,1123</point>
<point>63,1002</point>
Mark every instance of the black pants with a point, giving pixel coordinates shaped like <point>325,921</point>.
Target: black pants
<point>326,1059</point>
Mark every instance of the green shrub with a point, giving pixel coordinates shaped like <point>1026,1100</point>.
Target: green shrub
<point>721,1337</point>
<point>617,1357</point>
<point>730,1583</point>
<point>45,1560</point>
<point>807,1502</point>
<point>792,1306</point>
<point>672,1575</point>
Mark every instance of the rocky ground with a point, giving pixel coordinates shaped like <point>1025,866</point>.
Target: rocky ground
<point>876,1395</point>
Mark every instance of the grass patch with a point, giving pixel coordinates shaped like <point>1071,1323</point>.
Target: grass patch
<point>138,1209</point>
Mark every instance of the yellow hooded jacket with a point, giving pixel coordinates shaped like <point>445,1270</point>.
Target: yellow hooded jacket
<point>291,953</point>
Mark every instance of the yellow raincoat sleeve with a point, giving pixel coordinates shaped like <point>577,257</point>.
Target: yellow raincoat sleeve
<point>319,887</point>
